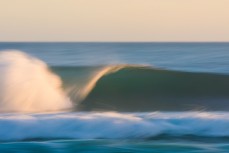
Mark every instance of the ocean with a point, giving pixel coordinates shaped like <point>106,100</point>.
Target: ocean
<point>114,97</point>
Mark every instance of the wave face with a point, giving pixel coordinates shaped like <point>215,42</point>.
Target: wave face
<point>144,88</point>
<point>112,125</point>
<point>27,85</point>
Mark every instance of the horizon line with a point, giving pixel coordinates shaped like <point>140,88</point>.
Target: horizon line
<point>114,41</point>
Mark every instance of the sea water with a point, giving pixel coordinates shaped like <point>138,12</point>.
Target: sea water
<point>114,97</point>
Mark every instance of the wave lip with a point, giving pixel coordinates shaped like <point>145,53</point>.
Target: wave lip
<point>113,125</point>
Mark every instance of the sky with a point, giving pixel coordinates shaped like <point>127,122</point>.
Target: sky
<point>114,20</point>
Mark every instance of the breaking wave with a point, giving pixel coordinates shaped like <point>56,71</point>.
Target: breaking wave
<point>144,88</point>
<point>29,85</point>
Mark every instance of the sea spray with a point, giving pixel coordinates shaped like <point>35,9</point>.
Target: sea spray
<point>27,85</point>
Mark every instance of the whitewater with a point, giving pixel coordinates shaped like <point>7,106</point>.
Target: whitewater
<point>112,125</point>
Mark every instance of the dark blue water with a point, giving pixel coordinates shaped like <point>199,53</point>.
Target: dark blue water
<point>201,57</point>
<point>116,121</point>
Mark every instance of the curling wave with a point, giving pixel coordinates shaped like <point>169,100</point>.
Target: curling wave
<point>145,88</point>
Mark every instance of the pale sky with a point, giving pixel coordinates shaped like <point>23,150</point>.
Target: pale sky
<point>114,20</point>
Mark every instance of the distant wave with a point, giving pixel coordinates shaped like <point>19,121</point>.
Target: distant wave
<point>112,125</point>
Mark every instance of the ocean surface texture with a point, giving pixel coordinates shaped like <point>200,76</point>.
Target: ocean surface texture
<point>114,97</point>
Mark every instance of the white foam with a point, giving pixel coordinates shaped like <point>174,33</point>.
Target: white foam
<point>110,125</point>
<point>27,85</point>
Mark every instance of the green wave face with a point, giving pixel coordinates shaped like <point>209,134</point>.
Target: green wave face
<point>135,88</point>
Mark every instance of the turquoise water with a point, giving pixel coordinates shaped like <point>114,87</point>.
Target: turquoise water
<point>111,146</point>
<point>114,97</point>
